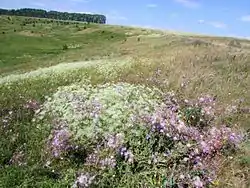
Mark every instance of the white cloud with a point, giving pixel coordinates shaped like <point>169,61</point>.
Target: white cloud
<point>201,21</point>
<point>189,3</point>
<point>152,5</point>
<point>245,18</point>
<point>6,7</point>
<point>216,24</point>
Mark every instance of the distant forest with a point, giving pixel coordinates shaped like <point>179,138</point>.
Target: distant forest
<point>39,13</point>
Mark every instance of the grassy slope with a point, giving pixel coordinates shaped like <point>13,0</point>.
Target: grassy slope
<point>20,49</point>
<point>211,68</point>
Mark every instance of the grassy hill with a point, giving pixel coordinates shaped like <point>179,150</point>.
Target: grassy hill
<point>69,91</point>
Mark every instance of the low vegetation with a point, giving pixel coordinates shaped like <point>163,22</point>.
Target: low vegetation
<point>109,106</point>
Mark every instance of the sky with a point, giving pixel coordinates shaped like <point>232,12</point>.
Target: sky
<point>212,17</point>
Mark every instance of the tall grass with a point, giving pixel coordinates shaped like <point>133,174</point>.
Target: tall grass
<point>167,113</point>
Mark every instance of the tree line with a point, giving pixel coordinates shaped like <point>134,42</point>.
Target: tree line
<point>39,13</point>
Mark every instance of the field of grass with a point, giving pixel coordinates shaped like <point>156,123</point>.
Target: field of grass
<point>114,106</point>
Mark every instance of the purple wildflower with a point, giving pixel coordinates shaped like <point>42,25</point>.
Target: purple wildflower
<point>197,182</point>
<point>108,162</point>
<point>159,127</point>
<point>205,147</point>
<point>235,138</point>
<point>123,150</point>
<point>207,99</point>
<point>114,141</point>
<point>127,154</point>
<point>60,142</point>
<point>96,107</point>
<point>92,159</point>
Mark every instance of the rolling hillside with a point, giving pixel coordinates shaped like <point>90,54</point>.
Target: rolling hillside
<point>121,106</point>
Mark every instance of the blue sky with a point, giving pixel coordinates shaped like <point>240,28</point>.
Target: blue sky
<point>214,17</point>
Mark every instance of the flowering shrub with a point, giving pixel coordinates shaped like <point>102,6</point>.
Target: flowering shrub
<point>131,129</point>
<point>106,108</point>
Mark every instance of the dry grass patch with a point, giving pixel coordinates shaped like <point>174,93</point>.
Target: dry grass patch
<point>87,30</point>
<point>30,34</point>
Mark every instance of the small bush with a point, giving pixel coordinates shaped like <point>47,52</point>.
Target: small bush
<point>234,43</point>
<point>85,27</point>
<point>197,42</point>
<point>14,30</point>
<point>112,36</point>
<point>65,47</point>
<point>138,39</point>
<point>3,32</point>
<point>245,161</point>
<point>34,25</point>
<point>32,31</point>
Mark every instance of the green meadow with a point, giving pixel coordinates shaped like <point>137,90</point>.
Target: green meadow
<point>89,105</point>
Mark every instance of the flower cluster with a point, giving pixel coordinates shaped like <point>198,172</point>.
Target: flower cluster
<point>139,126</point>
<point>59,143</point>
<point>201,144</point>
<point>104,154</point>
<point>126,154</point>
<point>103,109</point>
<point>84,180</point>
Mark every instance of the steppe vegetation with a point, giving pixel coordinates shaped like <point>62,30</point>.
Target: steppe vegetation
<point>88,105</point>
